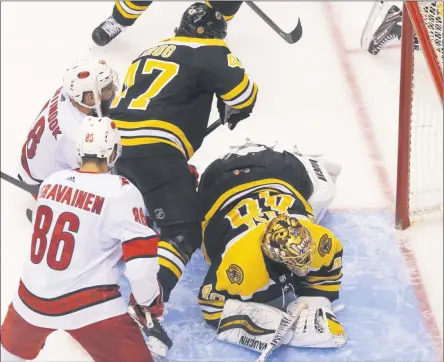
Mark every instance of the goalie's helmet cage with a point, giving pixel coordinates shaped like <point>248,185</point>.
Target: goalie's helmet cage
<point>419,190</point>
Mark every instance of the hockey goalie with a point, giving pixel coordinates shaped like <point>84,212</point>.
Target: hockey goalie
<point>262,238</point>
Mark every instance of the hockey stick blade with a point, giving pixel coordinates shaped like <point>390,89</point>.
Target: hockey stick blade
<point>291,38</point>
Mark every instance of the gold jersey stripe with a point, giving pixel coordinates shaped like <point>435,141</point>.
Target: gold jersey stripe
<point>236,90</point>
<point>212,316</point>
<point>166,126</point>
<point>170,266</point>
<point>322,279</point>
<point>211,303</point>
<point>250,100</point>
<point>128,142</point>
<point>133,6</point>
<point>124,13</point>
<point>183,39</point>
<point>165,245</point>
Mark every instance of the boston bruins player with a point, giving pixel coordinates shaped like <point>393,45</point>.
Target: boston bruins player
<point>162,114</point>
<point>261,239</point>
<point>125,13</point>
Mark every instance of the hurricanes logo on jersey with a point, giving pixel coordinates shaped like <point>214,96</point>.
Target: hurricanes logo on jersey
<point>235,274</point>
<point>324,245</point>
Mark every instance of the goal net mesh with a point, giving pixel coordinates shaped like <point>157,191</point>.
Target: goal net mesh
<point>426,127</point>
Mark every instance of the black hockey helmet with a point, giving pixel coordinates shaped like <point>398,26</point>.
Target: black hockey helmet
<point>202,21</point>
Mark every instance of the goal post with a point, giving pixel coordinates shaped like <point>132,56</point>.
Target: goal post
<point>419,188</point>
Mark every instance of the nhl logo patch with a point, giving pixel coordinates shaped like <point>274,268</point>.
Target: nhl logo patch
<point>235,274</point>
<point>218,15</point>
<point>324,245</point>
<point>159,213</point>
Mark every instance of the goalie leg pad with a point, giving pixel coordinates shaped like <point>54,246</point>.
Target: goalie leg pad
<point>251,325</point>
<point>323,174</point>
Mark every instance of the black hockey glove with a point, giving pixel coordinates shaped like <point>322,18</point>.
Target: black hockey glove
<point>230,115</point>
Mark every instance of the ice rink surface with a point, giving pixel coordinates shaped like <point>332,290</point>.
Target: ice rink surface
<point>324,94</point>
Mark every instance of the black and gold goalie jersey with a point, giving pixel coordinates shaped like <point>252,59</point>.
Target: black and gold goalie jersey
<point>168,92</point>
<point>233,230</point>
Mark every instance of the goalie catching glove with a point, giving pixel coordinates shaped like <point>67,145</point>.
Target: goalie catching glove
<point>230,115</point>
<point>146,317</point>
<point>316,326</point>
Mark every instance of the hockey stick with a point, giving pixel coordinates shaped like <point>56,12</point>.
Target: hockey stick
<point>19,184</point>
<point>291,37</point>
<point>213,126</point>
<point>34,189</point>
<point>285,326</point>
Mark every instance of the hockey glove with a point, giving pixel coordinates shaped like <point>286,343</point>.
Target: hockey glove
<point>146,317</point>
<point>194,172</point>
<point>317,325</point>
<point>230,115</point>
<point>155,309</point>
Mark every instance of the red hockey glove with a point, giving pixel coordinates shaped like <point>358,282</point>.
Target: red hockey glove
<point>156,308</point>
<point>193,170</point>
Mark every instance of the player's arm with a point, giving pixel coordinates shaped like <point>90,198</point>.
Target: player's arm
<point>326,281</point>
<point>126,223</point>
<point>227,78</point>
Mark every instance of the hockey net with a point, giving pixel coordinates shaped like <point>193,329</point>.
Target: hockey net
<point>420,141</point>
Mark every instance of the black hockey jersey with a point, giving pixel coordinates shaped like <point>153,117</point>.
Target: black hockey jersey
<point>225,182</point>
<point>168,93</point>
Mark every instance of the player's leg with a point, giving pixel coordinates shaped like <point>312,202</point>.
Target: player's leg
<point>21,340</point>
<point>114,339</point>
<point>124,14</point>
<point>169,191</point>
<point>227,8</point>
<point>211,302</point>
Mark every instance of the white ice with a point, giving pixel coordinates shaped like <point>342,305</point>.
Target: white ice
<point>323,94</point>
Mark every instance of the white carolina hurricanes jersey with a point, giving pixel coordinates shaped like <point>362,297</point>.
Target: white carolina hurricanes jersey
<point>82,225</point>
<point>50,145</point>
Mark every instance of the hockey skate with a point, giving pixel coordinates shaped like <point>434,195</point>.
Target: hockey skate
<point>107,31</point>
<point>389,30</point>
<point>157,338</point>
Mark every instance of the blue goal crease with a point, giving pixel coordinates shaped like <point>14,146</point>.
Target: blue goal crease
<point>381,316</point>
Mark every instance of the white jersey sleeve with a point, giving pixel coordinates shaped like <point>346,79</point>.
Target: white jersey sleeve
<point>50,146</point>
<point>125,221</point>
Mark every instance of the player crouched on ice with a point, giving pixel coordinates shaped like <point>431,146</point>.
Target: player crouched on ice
<point>262,239</point>
<point>89,87</point>
<point>85,220</point>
